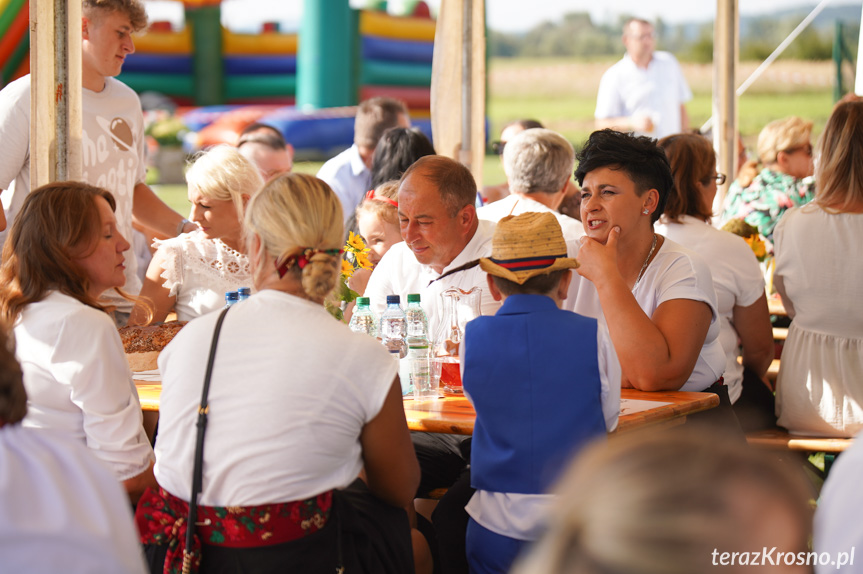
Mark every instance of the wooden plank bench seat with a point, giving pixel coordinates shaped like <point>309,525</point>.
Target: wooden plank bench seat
<point>779,439</point>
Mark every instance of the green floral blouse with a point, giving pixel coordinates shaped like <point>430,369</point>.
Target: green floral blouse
<point>769,195</point>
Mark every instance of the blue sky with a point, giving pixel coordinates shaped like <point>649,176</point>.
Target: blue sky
<point>503,15</point>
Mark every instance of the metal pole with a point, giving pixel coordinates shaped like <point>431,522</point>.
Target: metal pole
<point>776,53</point>
<point>466,75</point>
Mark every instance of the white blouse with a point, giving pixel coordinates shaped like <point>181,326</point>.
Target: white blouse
<point>61,510</point>
<point>291,391</point>
<point>198,271</point>
<point>674,273</point>
<point>78,381</point>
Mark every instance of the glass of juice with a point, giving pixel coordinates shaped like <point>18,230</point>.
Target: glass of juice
<point>450,375</point>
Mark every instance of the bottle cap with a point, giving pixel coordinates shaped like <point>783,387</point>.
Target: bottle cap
<point>393,299</point>
<point>232,296</point>
<point>363,301</point>
<point>414,298</point>
<point>244,291</point>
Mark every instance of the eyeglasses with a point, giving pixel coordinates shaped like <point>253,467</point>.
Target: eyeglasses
<point>807,149</point>
<point>720,178</point>
<point>497,147</point>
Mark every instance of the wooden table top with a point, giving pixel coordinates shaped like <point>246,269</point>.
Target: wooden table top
<point>455,415</point>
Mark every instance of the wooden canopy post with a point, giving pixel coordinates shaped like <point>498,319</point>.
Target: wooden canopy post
<point>725,55</point>
<point>458,84</point>
<point>55,92</point>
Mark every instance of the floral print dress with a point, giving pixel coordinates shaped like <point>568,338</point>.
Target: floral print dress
<point>764,201</point>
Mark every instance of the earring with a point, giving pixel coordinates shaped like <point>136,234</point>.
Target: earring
<point>646,211</point>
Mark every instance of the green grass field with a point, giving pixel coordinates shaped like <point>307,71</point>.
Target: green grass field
<point>561,94</point>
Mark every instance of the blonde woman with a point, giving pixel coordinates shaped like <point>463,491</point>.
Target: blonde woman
<point>325,406</point>
<point>192,272</point>
<point>674,503</point>
<point>819,276</point>
<point>785,152</point>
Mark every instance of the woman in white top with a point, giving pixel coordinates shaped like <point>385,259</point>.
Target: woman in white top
<point>63,253</point>
<point>298,404</point>
<point>818,273</point>
<point>46,479</point>
<point>191,273</point>
<point>742,301</point>
<point>656,297</point>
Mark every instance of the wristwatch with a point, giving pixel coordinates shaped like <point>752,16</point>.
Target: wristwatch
<point>181,225</point>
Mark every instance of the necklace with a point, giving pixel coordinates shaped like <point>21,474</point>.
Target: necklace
<point>644,266</point>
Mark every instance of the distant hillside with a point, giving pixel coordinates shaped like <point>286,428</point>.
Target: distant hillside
<point>575,35</point>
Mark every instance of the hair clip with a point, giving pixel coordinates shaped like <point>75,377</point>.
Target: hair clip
<point>302,259</point>
<point>370,195</point>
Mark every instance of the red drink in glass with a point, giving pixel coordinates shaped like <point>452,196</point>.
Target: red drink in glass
<point>450,376</point>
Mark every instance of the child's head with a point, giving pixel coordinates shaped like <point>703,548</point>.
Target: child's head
<point>528,257</point>
<point>378,219</point>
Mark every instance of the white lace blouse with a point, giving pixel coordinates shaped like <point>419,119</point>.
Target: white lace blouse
<point>198,271</point>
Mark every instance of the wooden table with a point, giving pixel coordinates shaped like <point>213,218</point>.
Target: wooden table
<point>452,415</point>
<point>455,415</point>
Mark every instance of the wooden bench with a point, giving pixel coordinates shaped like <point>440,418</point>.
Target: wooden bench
<point>779,439</point>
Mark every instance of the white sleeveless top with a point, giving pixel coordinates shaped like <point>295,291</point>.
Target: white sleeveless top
<point>198,271</point>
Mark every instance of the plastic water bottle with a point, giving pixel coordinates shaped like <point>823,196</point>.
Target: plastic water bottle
<point>417,321</point>
<point>231,297</point>
<point>363,319</point>
<point>393,327</point>
<point>244,293</point>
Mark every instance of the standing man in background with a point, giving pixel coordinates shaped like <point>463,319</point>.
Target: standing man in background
<point>645,92</point>
<point>349,172</point>
<point>112,135</point>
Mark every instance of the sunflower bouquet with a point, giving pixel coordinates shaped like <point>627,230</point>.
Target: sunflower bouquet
<point>355,257</point>
<point>750,235</point>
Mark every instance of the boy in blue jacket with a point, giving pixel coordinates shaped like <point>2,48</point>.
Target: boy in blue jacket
<point>543,381</point>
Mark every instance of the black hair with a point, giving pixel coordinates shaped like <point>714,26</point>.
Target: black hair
<point>396,151</point>
<point>639,157</point>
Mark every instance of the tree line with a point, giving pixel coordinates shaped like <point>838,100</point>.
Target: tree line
<point>576,35</point>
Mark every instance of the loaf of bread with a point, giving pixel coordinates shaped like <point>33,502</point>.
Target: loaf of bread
<point>143,344</point>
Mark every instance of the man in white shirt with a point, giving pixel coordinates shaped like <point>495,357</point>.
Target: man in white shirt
<point>538,164</point>
<point>443,241</point>
<point>348,174</point>
<point>441,234</point>
<point>113,134</point>
<point>645,92</point>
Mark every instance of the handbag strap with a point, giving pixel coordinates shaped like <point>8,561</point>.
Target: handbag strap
<point>197,472</point>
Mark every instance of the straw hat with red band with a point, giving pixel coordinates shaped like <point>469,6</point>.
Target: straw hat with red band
<point>525,246</point>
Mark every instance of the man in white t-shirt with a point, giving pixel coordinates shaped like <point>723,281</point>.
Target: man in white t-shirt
<point>645,92</point>
<point>112,136</point>
<point>348,174</point>
<point>538,164</point>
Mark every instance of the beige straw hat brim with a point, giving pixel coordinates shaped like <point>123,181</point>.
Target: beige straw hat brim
<point>525,246</point>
